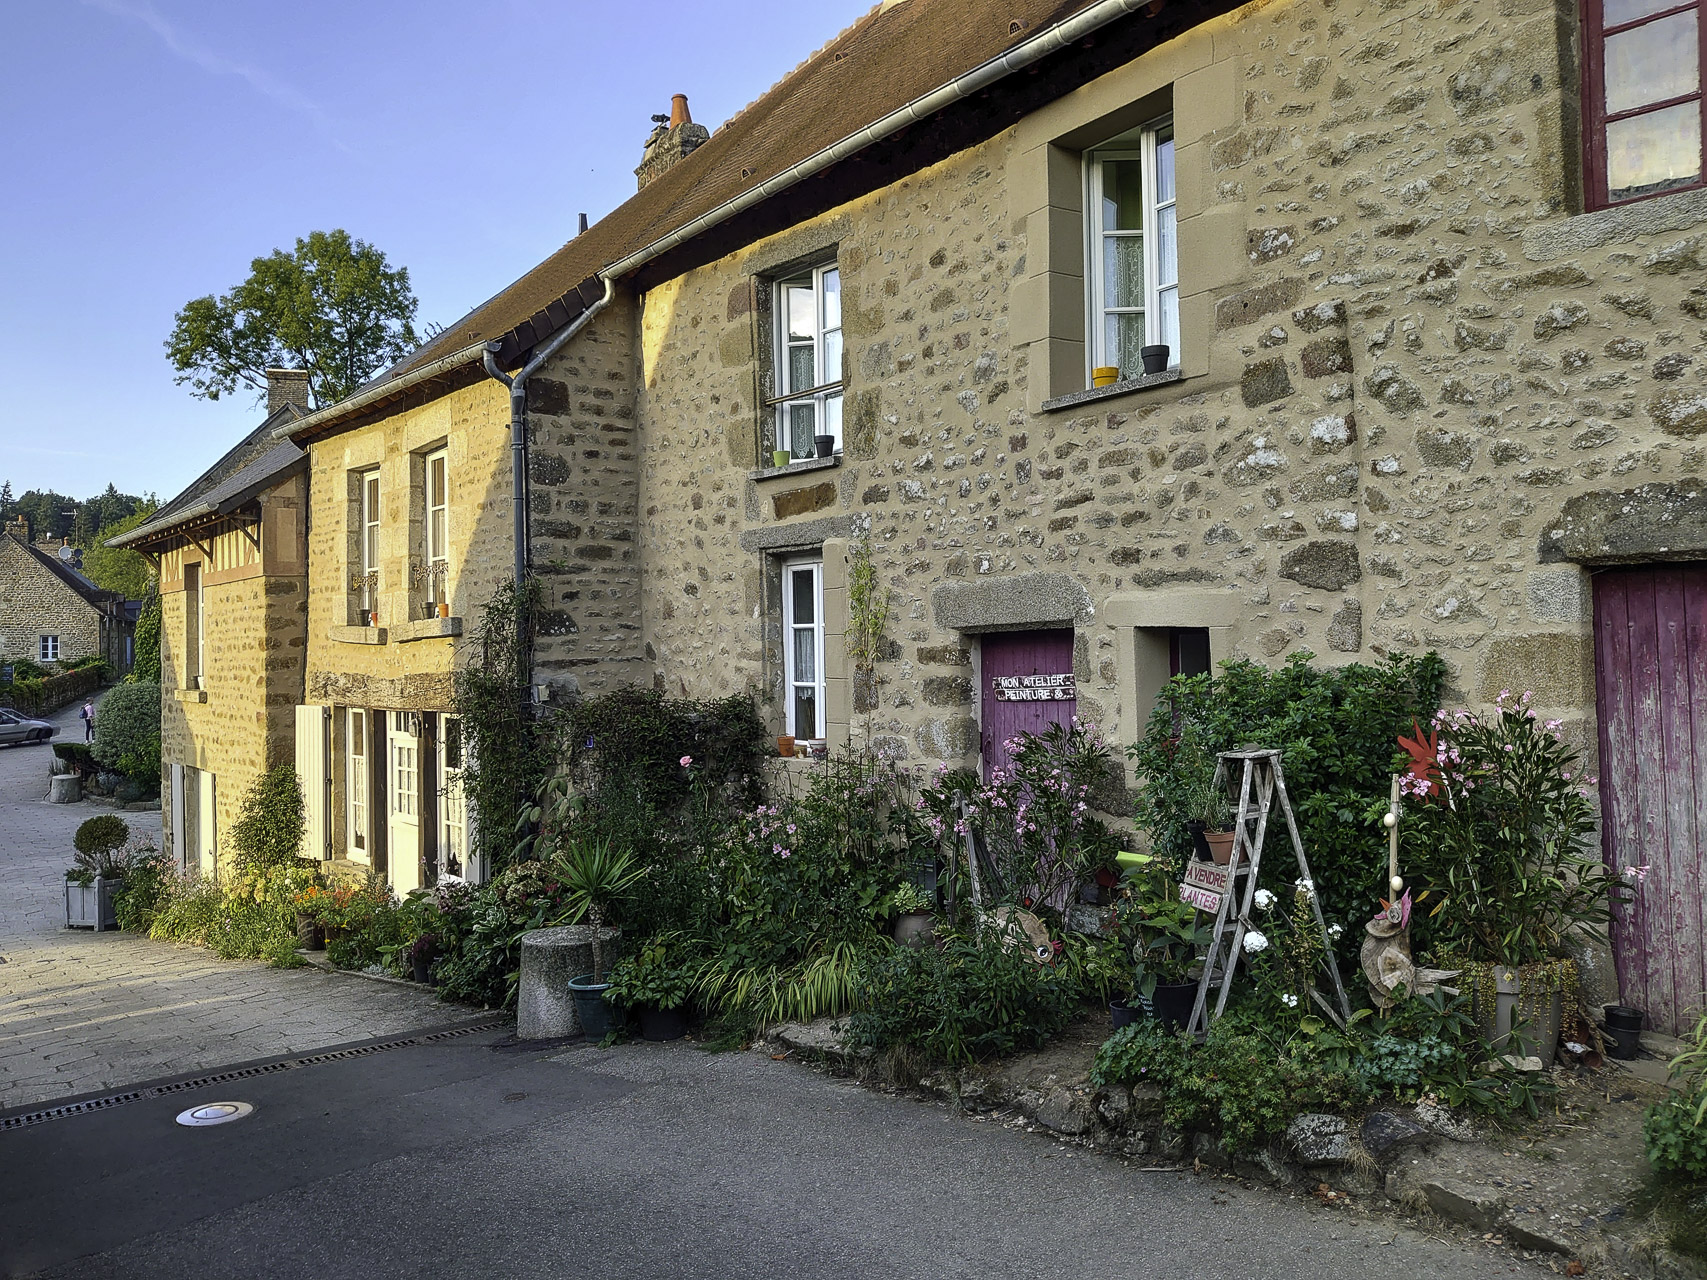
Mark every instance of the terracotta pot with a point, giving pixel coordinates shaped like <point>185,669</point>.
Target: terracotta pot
<point>784,745</point>
<point>444,608</point>
<point>1220,846</point>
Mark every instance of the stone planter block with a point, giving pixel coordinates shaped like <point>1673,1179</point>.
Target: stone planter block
<point>550,957</point>
<point>65,788</point>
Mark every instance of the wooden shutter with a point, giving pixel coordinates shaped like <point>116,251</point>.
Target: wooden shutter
<point>180,819</point>
<point>314,773</point>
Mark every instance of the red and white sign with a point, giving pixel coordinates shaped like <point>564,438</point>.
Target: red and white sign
<point>1039,688</point>
<point>1205,883</point>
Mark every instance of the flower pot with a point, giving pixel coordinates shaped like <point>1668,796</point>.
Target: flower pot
<point>1155,358</point>
<point>1624,1027</point>
<point>1123,1015</point>
<point>444,608</point>
<point>779,458</point>
<point>597,1016</point>
<point>309,935</point>
<point>1521,1000</point>
<point>1220,846</point>
<point>662,1024</point>
<point>915,929</point>
<point>824,446</point>
<point>1172,1003</point>
<point>784,745</point>
<point>367,617</point>
<point>1105,375</point>
<point>90,906</point>
<point>422,966</point>
<point>1199,846</point>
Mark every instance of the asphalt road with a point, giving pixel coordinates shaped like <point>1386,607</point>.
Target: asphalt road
<point>471,1157</point>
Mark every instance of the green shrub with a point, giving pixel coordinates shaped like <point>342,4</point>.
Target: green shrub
<point>24,669</point>
<point>77,753</point>
<point>268,830</point>
<point>650,980</point>
<point>127,733</point>
<point>1675,1140</point>
<point>1337,730</point>
<point>252,918</point>
<point>969,1000</point>
<point>101,835</point>
<point>143,893</point>
<point>145,665</point>
<point>481,929</point>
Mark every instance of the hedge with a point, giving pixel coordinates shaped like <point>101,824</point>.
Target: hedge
<point>39,697</point>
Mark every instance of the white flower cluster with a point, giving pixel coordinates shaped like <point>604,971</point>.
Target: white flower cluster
<point>1264,900</point>
<point>1289,1000</point>
<point>1255,942</point>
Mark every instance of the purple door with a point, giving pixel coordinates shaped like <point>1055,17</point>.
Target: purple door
<point>1028,686</point>
<point>1650,635</point>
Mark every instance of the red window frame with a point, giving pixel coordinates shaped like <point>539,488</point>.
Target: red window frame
<point>1597,194</point>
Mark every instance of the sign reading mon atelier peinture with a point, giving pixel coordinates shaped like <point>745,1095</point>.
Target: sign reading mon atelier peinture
<point>1056,688</point>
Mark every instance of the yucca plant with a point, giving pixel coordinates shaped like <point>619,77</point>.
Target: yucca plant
<point>595,876</point>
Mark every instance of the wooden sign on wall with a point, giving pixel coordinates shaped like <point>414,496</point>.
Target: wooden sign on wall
<point>1050,688</point>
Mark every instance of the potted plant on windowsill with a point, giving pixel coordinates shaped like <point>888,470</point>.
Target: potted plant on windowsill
<point>650,985</point>
<point>98,871</point>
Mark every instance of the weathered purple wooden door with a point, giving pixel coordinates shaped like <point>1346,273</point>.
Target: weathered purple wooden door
<point>1028,686</point>
<point>1650,629</point>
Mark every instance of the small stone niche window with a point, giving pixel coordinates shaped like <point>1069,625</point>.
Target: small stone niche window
<point>1133,229</point>
<point>803,648</point>
<point>1642,97</point>
<point>806,312</point>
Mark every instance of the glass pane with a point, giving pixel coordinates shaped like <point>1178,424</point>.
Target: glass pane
<point>436,482</point>
<point>1650,153</point>
<point>1123,339</point>
<point>801,421</point>
<point>1167,247</point>
<point>453,744</point>
<point>1122,195</point>
<point>1652,63</point>
<point>1123,271</point>
<point>1168,305</point>
<point>1615,13</point>
<point>436,535</point>
<point>805,599</point>
<point>805,712</point>
<point>801,374</point>
<point>832,299</point>
<point>358,734</point>
<point>370,551</point>
<point>833,356</point>
<point>1165,164</point>
<point>805,655</point>
<point>802,315</point>
<point>371,514</point>
<point>833,417</point>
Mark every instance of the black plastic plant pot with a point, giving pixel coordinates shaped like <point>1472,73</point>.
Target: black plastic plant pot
<point>423,967</point>
<point>1173,1002</point>
<point>596,1016</point>
<point>662,1024</point>
<point>825,445</point>
<point>1155,358</point>
<point>1123,1015</point>
<point>1199,844</point>
<point>1624,1025</point>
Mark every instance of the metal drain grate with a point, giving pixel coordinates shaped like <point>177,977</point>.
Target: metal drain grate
<point>111,1100</point>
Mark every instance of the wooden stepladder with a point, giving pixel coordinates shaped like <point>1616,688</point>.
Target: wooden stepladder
<point>1262,780</point>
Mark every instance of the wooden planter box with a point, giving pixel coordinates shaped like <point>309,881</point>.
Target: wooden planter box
<point>90,906</point>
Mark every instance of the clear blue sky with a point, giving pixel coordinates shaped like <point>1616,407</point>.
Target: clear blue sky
<point>151,148</point>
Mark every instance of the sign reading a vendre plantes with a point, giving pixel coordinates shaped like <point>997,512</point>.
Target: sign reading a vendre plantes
<point>1050,688</point>
<point>1205,883</point>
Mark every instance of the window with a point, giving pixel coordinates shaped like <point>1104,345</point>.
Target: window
<point>1642,68</point>
<point>49,649</point>
<point>803,646</point>
<point>1133,266</point>
<point>808,402</point>
<point>194,620</point>
<point>453,827</point>
<point>355,780</point>
<point>1188,651</point>
<point>366,584</point>
<point>437,526</point>
<point>405,769</point>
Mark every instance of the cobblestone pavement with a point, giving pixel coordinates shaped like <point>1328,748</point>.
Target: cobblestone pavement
<point>82,1011</point>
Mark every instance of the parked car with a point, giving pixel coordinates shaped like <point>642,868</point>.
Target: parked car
<point>15,728</point>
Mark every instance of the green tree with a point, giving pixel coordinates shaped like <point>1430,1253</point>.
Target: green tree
<point>268,830</point>
<point>146,668</point>
<point>333,307</point>
<point>120,568</point>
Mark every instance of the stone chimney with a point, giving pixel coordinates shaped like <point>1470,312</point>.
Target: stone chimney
<point>673,140</point>
<point>287,386</point>
<point>19,529</point>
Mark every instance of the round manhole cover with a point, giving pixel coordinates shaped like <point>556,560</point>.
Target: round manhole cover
<point>213,1113</point>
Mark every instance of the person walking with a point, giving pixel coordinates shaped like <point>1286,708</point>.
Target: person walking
<point>87,716</point>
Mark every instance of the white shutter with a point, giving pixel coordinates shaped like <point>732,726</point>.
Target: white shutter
<point>208,821</point>
<point>180,819</point>
<point>313,771</point>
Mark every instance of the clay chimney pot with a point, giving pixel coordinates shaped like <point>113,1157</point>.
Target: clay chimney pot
<point>679,110</point>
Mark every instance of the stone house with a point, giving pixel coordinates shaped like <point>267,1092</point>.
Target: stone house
<point>230,553</point>
<point>1421,290</point>
<point>50,613</point>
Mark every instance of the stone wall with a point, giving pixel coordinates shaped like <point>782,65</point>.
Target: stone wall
<point>1408,357</point>
<point>33,603</point>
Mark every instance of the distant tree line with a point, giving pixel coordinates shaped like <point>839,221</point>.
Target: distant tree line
<point>88,523</point>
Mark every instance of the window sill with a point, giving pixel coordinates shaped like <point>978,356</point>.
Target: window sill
<point>796,468</point>
<point>190,695</point>
<point>357,635</point>
<point>426,629</point>
<point>1090,395</point>
<point>1653,215</point>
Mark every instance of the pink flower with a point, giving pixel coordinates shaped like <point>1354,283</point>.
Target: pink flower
<point>686,761</point>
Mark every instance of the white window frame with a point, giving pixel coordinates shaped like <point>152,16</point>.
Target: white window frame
<point>453,820</point>
<point>369,509</point>
<point>1161,278</point>
<point>358,807</point>
<point>437,542</point>
<point>48,648</point>
<point>405,768</point>
<point>825,393</point>
<point>795,633</point>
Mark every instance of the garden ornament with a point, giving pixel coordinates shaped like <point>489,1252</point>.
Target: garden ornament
<point>1386,954</point>
<point>1022,929</point>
